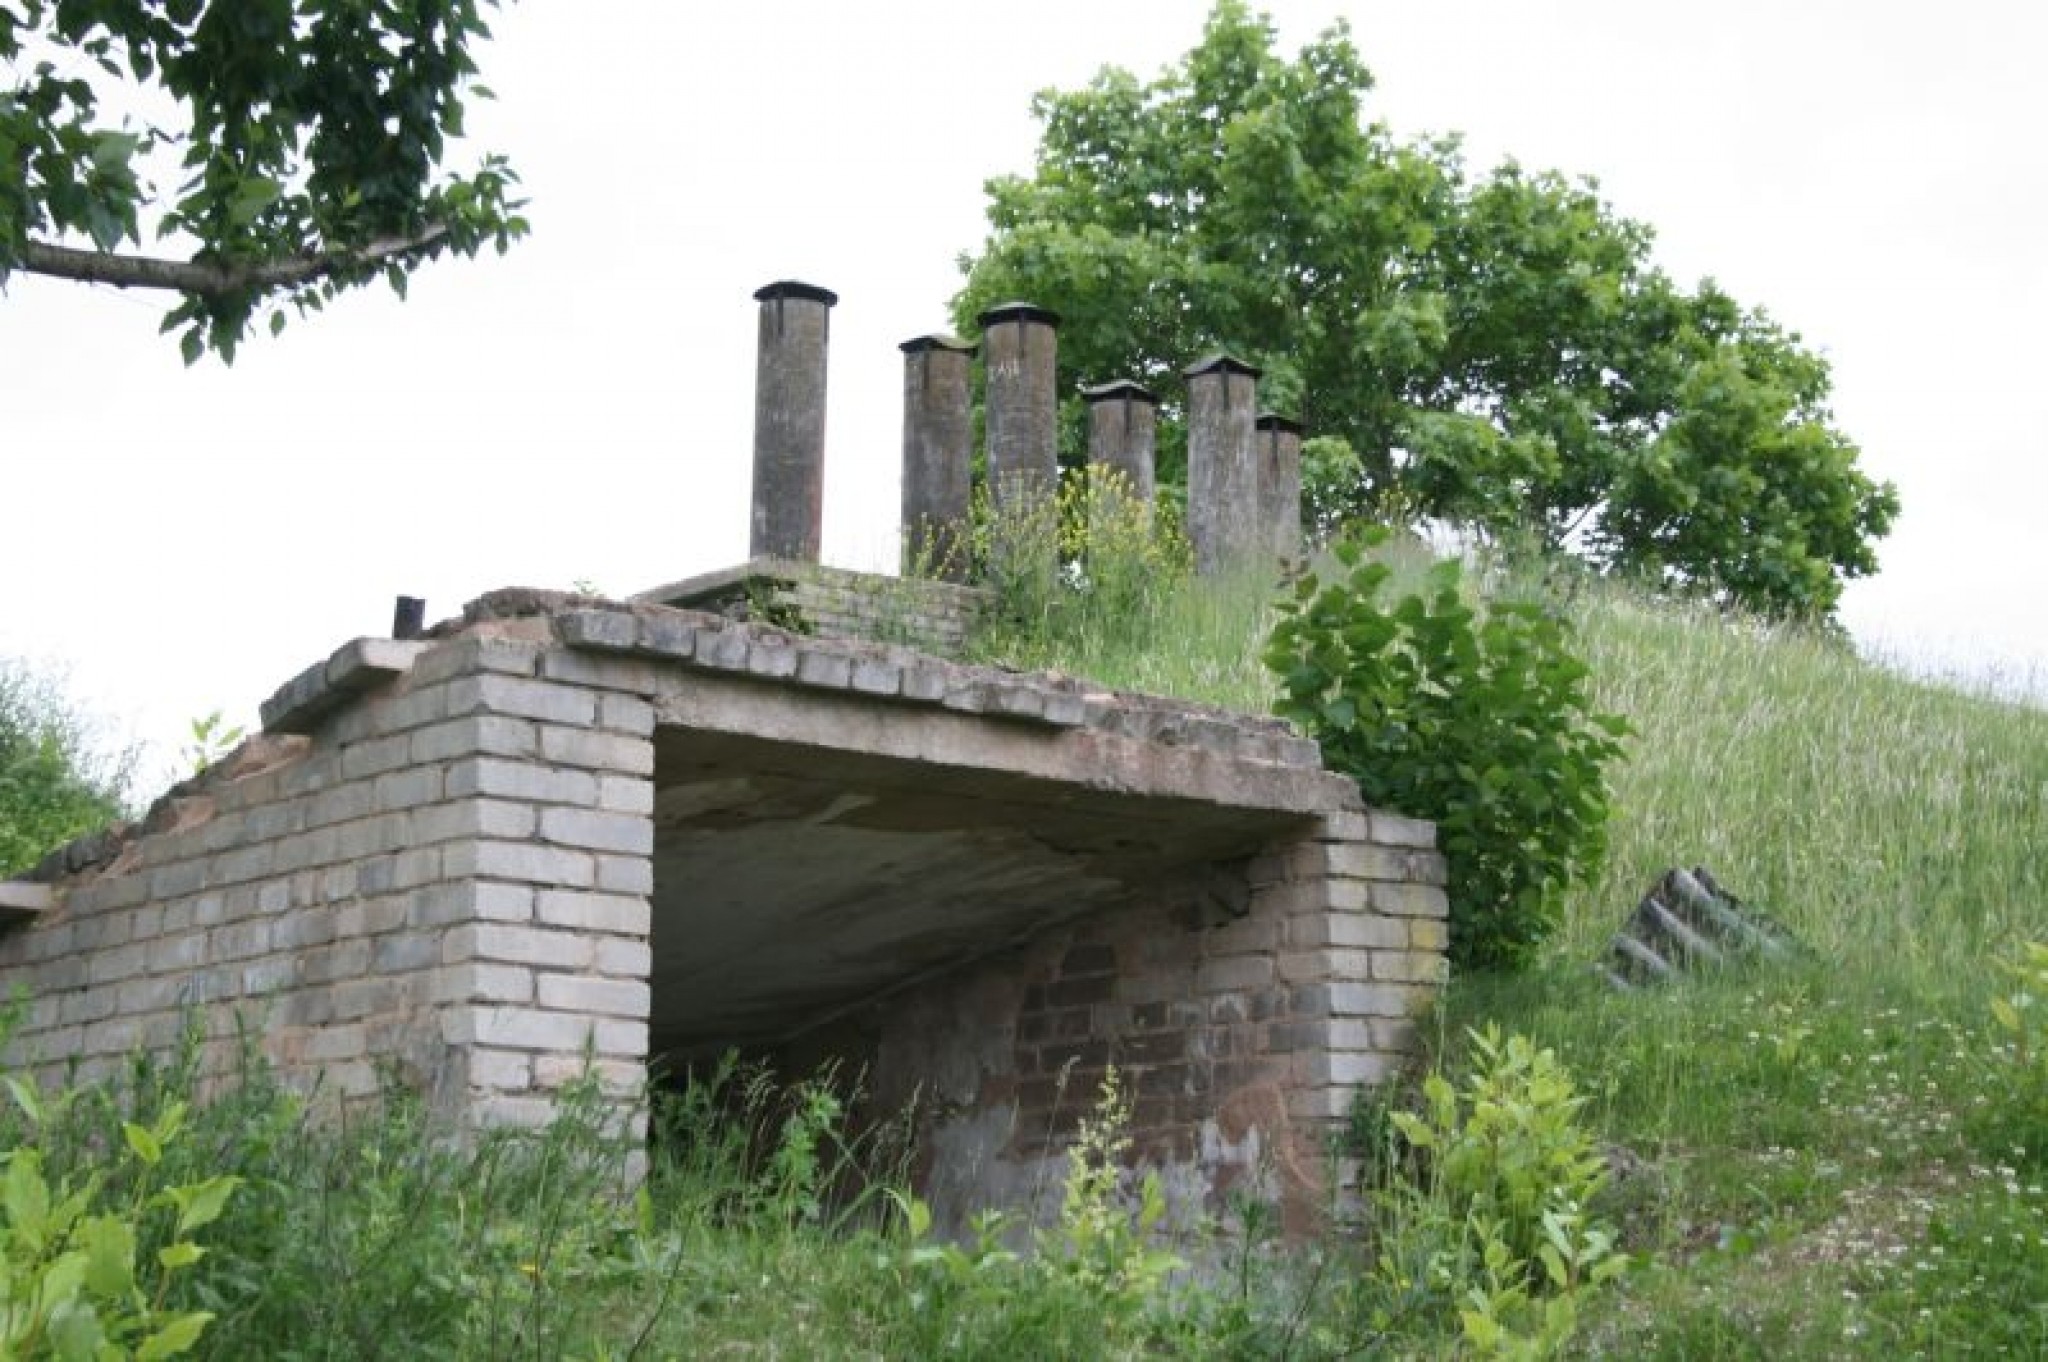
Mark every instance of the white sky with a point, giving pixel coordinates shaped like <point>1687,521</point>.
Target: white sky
<point>185,540</point>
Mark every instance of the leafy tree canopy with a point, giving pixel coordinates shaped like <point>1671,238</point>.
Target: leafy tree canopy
<point>305,137</point>
<point>1496,351</point>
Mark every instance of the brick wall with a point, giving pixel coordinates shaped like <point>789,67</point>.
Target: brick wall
<point>1241,1040</point>
<point>444,881</point>
<point>932,616</point>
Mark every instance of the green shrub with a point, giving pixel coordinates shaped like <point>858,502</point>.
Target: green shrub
<point>78,1277</point>
<point>52,787</point>
<point>1490,1225</point>
<point>1478,720</point>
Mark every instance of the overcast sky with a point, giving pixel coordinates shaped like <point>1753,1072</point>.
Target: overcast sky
<point>185,540</point>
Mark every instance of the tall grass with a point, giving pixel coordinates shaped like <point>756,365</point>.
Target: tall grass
<point>1884,819</point>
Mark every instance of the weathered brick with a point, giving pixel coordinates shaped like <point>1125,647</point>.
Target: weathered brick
<point>374,756</point>
<point>372,836</point>
<point>771,655</point>
<point>626,714</point>
<point>832,670</point>
<point>1346,825</point>
<point>615,1077</point>
<point>481,981</point>
<point>269,974</point>
<point>609,997</point>
<point>527,699</point>
<point>519,945</point>
<point>629,959</point>
<point>463,656</point>
<point>625,874</point>
<point>1390,829</point>
<point>400,952</point>
<point>154,994</point>
<point>625,794</point>
<point>877,676</point>
<point>500,1070</point>
<point>326,1044</point>
<point>1234,972</point>
<point>457,818</point>
<point>369,917</point>
<point>598,831</point>
<point>614,752</point>
<point>504,779</point>
<point>494,735</point>
<point>1352,930</point>
<point>624,914</point>
<point>354,998</point>
<point>1427,934</point>
<point>523,861</point>
<point>518,1028</point>
<point>1410,900</point>
<point>1416,967</point>
<point>296,930</point>
<point>118,963</point>
<point>172,881</point>
<point>407,788</point>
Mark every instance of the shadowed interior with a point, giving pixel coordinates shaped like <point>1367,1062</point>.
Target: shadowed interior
<point>792,882</point>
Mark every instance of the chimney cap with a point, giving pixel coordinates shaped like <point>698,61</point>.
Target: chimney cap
<point>1017,312</point>
<point>1123,387</point>
<point>1222,362</point>
<point>1273,420</point>
<point>918,345</point>
<point>793,288</point>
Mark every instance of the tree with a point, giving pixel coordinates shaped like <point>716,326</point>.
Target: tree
<point>51,786</point>
<point>309,134</point>
<point>1498,352</point>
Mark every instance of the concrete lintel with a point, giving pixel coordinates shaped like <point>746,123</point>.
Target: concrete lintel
<point>357,666</point>
<point>22,900</point>
<point>949,737</point>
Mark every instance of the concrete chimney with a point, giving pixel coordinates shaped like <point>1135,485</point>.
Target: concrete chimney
<point>938,439</point>
<point>1123,434</point>
<point>1019,348</point>
<point>1223,482</point>
<point>1279,455</point>
<point>789,420</point>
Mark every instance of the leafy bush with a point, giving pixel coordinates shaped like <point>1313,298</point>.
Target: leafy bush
<point>77,1279</point>
<point>1491,1224</point>
<point>52,787</point>
<point>1478,720</point>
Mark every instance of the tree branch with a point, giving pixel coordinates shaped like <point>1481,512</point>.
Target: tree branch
<point>208,279</point>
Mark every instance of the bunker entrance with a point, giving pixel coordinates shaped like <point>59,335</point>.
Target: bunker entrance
<point>795,885</point>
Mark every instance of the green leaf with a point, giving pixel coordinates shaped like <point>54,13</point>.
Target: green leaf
<point>184,1253</point>
<point>25,1097</point>
<point>109,1246</point>
<point>75,1331</point>
<point>200,1205</point>
<point>26,1197</point>
<point>175,1337</point>
<point>143,1142</point>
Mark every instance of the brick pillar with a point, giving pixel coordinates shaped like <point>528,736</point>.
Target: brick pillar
<point>1279,457</point>
<point>938,441</point>
<point>1123,431</point>
<point>1223,483</point>
<point>789,420</point>
<point>1020,346</point>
